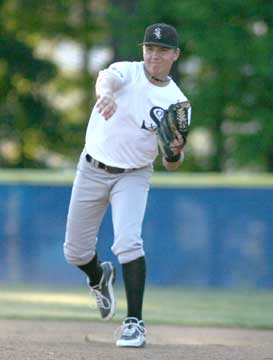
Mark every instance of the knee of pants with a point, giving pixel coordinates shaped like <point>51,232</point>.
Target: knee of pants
<point>76,256</point>
<point>128,248</point>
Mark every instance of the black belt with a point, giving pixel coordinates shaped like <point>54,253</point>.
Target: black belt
<point>100,165</point>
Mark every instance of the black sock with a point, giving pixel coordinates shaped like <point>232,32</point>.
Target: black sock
<point>134,275</point>
<point>93,270</point>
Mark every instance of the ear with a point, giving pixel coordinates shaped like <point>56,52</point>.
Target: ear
<point>177,54</point>
<point>143,49</point>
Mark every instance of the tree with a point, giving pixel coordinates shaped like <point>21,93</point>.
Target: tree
<point>225,69</point>
<point>231,89</point>
<point>32,123</point>
<point>25,116</point>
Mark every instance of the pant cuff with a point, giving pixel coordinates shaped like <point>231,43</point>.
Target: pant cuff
<point>129,256</point>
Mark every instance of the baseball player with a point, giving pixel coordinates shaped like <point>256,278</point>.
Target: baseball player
<point>115,168</point>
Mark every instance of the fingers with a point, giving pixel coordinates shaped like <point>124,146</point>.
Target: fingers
<point>106,106</point>
<point>179,148</point>
<point>178,143</point>
<point>179,137</point>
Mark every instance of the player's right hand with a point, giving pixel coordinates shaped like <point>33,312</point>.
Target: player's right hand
<point>106,106</point>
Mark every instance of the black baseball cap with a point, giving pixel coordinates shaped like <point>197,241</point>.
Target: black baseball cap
<point>161,34</point>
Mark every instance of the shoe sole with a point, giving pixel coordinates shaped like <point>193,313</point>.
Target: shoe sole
<point>111,293</point>
<point>128,345</point>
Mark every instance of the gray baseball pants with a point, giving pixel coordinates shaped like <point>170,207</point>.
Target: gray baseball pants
<point>93,190</point>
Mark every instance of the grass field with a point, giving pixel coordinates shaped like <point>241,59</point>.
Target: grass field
<point>247,309</point>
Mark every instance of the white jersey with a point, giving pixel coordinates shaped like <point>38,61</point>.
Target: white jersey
<point>127,140</point>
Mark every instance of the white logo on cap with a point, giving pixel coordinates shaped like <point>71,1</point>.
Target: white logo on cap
<point>157,33</point>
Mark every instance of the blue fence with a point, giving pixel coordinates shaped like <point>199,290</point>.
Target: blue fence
<point>196,237</point>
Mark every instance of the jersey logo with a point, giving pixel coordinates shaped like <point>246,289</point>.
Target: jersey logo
<point>156,114</point>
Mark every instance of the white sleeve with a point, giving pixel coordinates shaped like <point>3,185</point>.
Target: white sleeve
<point>113,78</point>
<point>122,70</point>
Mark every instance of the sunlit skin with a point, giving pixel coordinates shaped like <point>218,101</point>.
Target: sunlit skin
<point>158,60</point>
<point>106,105</point>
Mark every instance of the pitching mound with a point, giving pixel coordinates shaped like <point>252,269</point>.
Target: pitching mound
<point>55,340</point>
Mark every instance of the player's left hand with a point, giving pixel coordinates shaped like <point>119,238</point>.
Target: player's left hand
<point>173,130</point>
<point>106,106</point>
<point>177,145</point>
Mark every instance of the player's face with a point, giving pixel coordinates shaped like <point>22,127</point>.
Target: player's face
<point>158,60</point>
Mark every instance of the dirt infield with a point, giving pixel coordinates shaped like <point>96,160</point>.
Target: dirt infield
<point>71,340</point>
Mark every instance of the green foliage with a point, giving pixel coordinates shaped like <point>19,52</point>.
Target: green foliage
<point>25,115</point>
<point>33,127</point>
<point>231,90</point>
<point>225,69</point>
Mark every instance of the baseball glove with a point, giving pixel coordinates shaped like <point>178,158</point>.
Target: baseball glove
<point>176,118</point>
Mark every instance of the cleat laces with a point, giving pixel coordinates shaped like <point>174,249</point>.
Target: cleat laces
<point>102,301</point>
<point>128,328</point>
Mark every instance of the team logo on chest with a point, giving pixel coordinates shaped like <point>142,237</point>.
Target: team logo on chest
<point>156,114</point>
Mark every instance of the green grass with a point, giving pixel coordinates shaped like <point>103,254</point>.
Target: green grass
<point>249,309</point>
<point>175,179</point>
